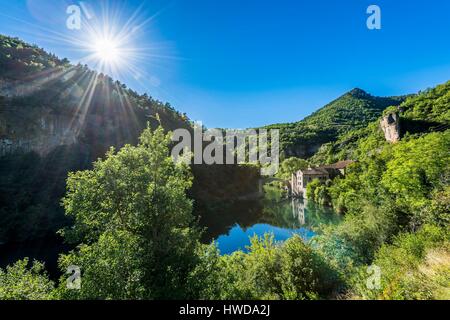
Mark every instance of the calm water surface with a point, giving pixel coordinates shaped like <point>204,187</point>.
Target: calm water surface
<point>232,227</point>
<point>229,224</point>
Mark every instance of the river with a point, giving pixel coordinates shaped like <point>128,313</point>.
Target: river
<point>233,226</point>
<point>230,225</point>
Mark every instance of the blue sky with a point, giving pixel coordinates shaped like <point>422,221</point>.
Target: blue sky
<point>245,63</point>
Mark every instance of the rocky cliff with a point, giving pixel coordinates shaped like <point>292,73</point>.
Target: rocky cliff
<point>390,124</point>
<point>40,132</point>
<point>75,106</point>
<point>57,118</point>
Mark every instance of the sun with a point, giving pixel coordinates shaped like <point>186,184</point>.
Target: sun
<point>116,42</point>
<point>108,53</point>
<point>107,50</point>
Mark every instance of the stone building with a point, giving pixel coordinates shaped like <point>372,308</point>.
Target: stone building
<point>301,179</point>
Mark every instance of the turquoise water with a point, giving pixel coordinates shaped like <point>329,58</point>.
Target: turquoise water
<point>274,214</point>
<point>238,238</point>
<point>230,224</point>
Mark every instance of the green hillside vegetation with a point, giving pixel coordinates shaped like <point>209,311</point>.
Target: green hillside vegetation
<point>392,189</point>
<point>138,238</point>
<point>25,62</point>
<point>415,266</point>
<point>19,60</point>
<point>32,185</point>
<point>425,112</point>
<point>430,105</point>
<point>354,110</point>
<point>117,206</point>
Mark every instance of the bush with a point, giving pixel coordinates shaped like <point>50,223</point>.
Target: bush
<point>438,212</point>
<point>134,221</point>
<point>18,282</point>
<point>415,266</point>
<point>291,271</point>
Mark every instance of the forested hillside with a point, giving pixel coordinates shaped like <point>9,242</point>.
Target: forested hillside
<point>354,110</point>
<point>131,220</point>
<point>56,118</point>
<point>425,112</point>
<point>396,201</point>
<point>394,241</point>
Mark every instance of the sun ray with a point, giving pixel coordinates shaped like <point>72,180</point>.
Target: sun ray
<point>110,43</point>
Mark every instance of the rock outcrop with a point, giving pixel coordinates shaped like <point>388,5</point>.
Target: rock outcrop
<point>22,133</point>
<point>303,150</point>
<point>390,124</point>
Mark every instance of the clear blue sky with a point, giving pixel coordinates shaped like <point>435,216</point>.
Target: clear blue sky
<point>244,63</point>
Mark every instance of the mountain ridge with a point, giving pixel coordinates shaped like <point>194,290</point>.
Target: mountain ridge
<point>353,109</point>
<point>22,65</point>
<point>33,179</point>
<point>54,99</point>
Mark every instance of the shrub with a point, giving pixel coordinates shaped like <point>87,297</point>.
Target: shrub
<point>415,266</point>
<point>292,270</point>
<point>20,282</point>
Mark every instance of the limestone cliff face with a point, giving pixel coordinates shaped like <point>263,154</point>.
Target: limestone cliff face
<point>304,150</point>
<point>30,127</point>
<point>42,129</point>
<point>20,88</point>
<point>40,115</point>
<point>76,107</point>
<point>39,132</point>
<point>390,124</point>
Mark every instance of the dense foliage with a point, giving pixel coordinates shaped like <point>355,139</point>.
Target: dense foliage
<point>139,241</point>
<point>137,238</point>
<point>291,165</point>
<point>30,191</point>
<point>354,110</point>
<point>19,60</point>
<point>415,266</point>
<point>430,105</point>
<point>20,282</point>
<point>394,188</point>
<point>133,219</point>
<point>269,270</point>
<point>51,102</point>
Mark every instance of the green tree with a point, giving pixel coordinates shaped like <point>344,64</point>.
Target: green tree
<point>438,212</point>
<point>317,191</point>
<point>418,167</point>
<point>134,221</point>
<point>289,271</point>
<point>290,166</point>
<point>18,282</point>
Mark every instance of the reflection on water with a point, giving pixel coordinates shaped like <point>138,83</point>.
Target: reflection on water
<point>231,226</point>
